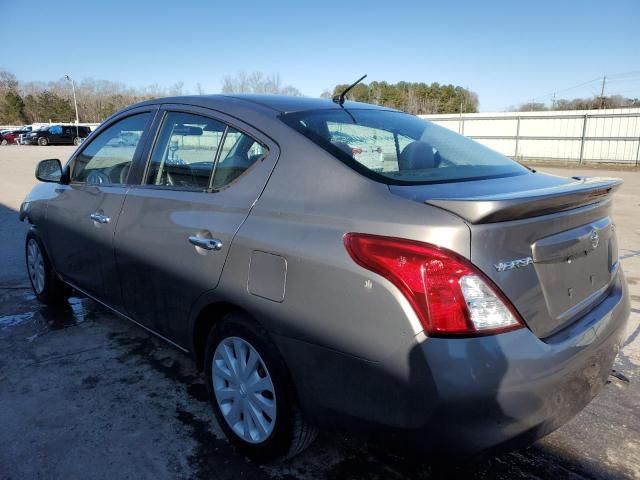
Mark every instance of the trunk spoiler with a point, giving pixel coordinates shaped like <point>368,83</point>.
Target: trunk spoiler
<point>529,203</point>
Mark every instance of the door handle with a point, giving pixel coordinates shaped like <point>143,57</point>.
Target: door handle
<point>206,243</point>
<point>99,217</point>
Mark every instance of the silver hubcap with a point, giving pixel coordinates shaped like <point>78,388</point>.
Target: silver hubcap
<point>244,390</point>
<point>35,265</point>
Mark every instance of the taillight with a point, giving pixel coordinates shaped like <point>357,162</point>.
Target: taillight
<point>449,295</point>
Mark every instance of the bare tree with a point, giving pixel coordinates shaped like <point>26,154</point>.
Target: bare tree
<point>377,95</point>
<point>8,82</point>
<point>176,89</point>
<point>532,107</point>
<point>413,103</point>
<point>257,82</point>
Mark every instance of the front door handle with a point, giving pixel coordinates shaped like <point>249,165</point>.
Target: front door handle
<point>206,243</point>
<point>99,217</point>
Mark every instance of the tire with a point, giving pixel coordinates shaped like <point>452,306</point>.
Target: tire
<point>76,141</point>
<point>46,285</point>
<point>282,435</point>
<point>43,142</point>
<point>4,141</point>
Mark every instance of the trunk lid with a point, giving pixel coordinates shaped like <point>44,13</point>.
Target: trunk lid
<point>548,242</point>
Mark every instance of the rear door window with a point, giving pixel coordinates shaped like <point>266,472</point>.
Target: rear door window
<point>199,153</point>
<point>185,152</point>
<point>239,152</point>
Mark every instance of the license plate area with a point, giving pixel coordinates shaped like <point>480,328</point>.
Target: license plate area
<point>574,266</point>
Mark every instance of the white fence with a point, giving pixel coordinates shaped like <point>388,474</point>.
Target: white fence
<point>584,136</point>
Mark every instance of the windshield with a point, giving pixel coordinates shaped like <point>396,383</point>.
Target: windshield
<point>398,148</point>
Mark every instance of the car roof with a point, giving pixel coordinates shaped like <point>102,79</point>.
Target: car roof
<point>285,104</point>
<point>277,103</point>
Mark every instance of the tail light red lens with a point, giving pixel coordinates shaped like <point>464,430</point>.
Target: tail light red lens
<point>449,295</point>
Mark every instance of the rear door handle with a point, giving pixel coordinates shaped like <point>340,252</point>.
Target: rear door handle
<point>99,217</point>
<point>206,243</point>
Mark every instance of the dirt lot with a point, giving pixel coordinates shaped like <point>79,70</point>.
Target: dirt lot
<point>84,394</point>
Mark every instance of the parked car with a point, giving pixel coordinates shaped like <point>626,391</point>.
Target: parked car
<point>22,138</point>
<point>58,134</point>
<point>457,299</point>
<point>11,136</point>
<point>25,131</point>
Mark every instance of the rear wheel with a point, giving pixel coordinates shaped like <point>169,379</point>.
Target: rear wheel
<point>46,285</point>
<point>76,141</point>
<point>4,141</point>
<point>42,141</point>
<point>251,392</point>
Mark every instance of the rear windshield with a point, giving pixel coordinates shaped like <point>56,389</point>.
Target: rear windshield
<point>398,148</point>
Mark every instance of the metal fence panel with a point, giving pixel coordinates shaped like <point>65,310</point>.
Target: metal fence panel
<point>587,136</point>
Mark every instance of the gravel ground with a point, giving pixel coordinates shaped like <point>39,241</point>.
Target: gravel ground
<point>84,394</point>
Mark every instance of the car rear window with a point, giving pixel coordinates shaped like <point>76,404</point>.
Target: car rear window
<point>398,148</point>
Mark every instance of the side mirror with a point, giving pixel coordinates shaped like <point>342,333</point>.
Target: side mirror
<point>49,170</point>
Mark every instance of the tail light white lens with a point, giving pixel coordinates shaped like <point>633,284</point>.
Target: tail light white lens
<point>486,310</point>
<point>449,295</point>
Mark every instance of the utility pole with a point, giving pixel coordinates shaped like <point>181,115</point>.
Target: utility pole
<point>553,101</point>
<point>604,82</point>
<point>461,122</point>
<point>75,103</point>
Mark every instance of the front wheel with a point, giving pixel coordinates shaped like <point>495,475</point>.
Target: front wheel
<point>4,141</point>
<point>43,142</point>
<point>251,392</point>
<point>76,141</point>
<point>46,285</point>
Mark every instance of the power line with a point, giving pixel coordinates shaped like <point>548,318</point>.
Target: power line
<point>567,89</point>
<point>623,80</point>
<point>615,77</point>
<point>632,72</point>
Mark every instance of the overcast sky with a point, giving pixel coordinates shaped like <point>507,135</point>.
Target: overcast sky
<point>507,52</point>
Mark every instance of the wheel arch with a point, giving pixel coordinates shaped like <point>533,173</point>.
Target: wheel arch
<point>207,318</point>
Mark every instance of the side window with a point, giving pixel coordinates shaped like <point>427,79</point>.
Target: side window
<point>107,159</point>
<point>374,148</point>
<point>185,152</point>
<point>238,153</point>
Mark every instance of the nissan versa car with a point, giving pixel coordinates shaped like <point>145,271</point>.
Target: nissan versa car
<point>344,264</point>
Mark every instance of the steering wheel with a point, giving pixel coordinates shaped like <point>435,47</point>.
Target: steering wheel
<point>97,177</point>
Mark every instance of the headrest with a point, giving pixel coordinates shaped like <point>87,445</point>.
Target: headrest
<point>418,155</point>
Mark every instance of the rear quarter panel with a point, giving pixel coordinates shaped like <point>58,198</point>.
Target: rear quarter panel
<point>309,203</point>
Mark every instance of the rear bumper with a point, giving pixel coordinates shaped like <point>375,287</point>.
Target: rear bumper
<point>466,395</point>
<point>511,389</point>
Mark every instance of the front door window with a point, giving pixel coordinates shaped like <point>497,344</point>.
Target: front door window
<point>107,159</point>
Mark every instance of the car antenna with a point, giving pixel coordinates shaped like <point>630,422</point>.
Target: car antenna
<point>339,99</point>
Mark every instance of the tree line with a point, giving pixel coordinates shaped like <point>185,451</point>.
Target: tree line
<point>415,98</point>
<point>591,103</point>
<point>31,102</point>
